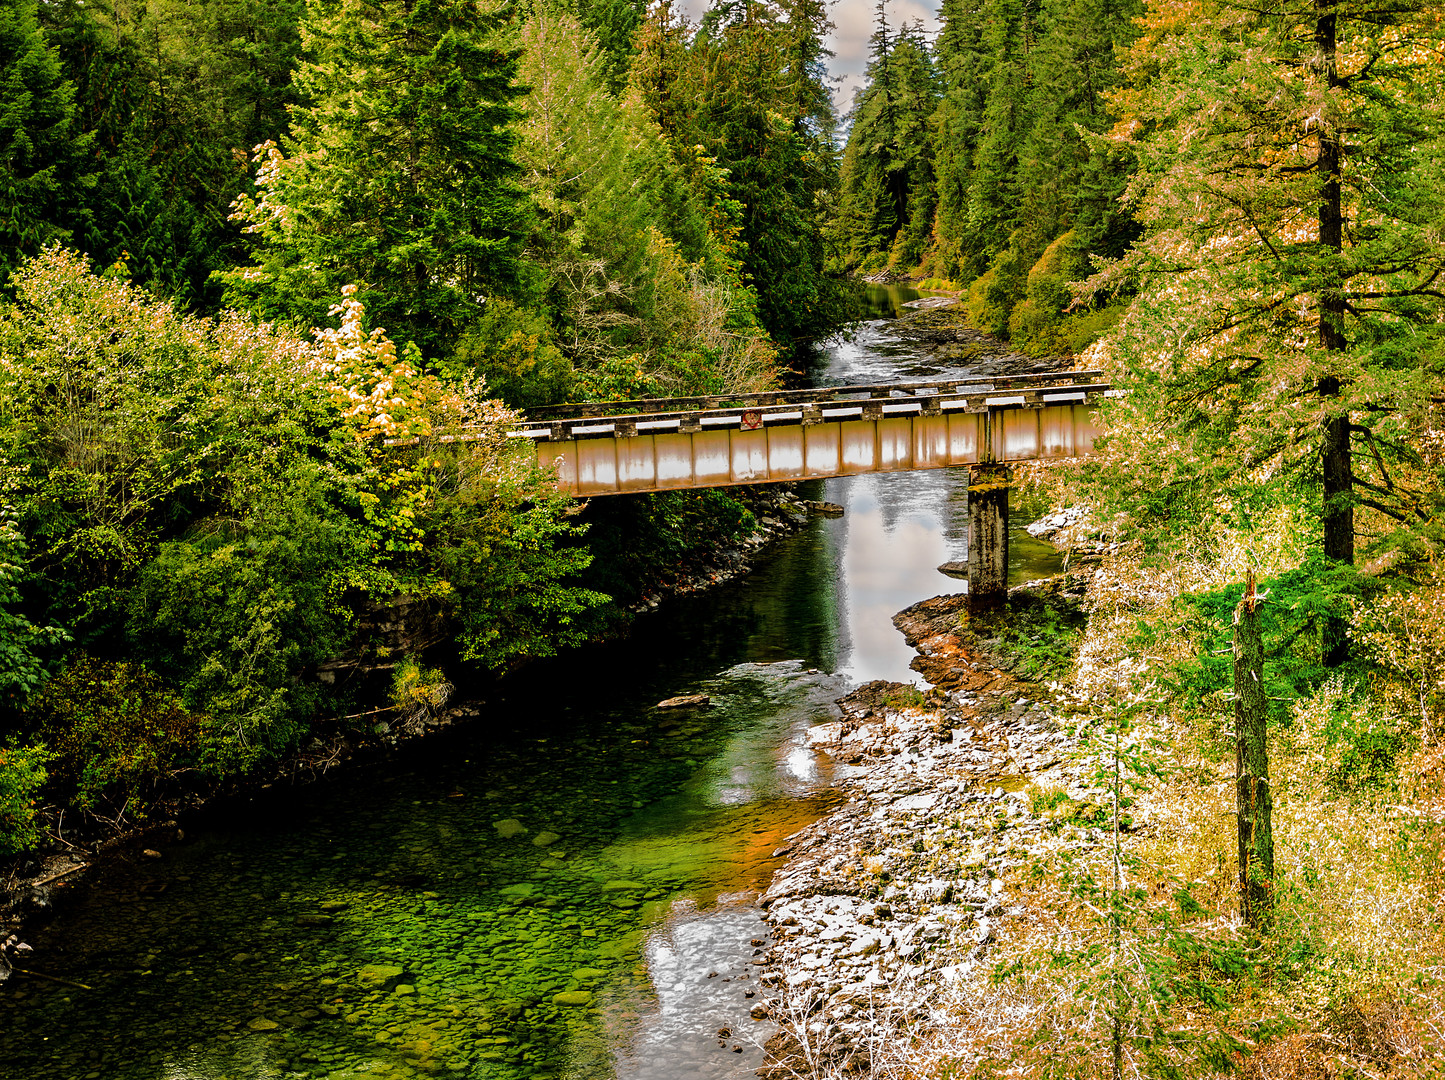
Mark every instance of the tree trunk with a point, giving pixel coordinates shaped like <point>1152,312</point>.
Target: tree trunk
<point>1339,513</point>
<point>1251,766</point>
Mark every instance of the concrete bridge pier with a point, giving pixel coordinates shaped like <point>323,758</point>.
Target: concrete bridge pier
<point>988,536</point>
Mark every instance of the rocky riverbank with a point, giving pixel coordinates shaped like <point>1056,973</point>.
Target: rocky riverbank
<point>898,895</point>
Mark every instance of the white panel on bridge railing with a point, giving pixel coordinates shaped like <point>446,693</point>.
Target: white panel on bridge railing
<point>822,450</point>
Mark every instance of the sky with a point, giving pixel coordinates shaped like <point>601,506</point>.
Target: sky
<point>853,21</point>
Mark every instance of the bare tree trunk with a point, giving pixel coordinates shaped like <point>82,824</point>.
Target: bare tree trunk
<point>1339,511</point>
<point>1251,766</point>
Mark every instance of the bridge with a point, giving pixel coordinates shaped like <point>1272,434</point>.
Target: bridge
<point>648,445</point>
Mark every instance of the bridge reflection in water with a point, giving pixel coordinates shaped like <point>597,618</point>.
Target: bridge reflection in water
<point>631,447</point>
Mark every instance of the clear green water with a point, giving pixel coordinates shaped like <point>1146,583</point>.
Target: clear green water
<point>422,916</point>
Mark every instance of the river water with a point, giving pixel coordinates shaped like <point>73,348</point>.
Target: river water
<point>563,888</point>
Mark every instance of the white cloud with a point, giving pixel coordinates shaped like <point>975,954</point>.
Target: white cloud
<point>853,26</point>
<point>853,22</point>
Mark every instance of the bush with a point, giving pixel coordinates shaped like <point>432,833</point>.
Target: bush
<point>22,774</point>
<point>118,733</point>
<point>512,349</point>
<point>417,692</point>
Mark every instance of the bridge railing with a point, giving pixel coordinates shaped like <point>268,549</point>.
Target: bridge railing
<point>620,419</point>
<point>648,406</point>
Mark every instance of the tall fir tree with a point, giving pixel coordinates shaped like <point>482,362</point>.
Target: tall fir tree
<point>744,106</point>
<point>964,68</point>
<point>44,170</point>
<point>399,174</point>
<point>993,202</point>
<point>174,95</point>
<point>887,181</point>
<point>1291,180</point>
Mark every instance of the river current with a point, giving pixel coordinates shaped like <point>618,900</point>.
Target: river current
<point>562,889</point>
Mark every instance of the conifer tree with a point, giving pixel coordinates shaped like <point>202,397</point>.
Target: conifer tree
<point>613,23</point>
<point>744,107</point>
<point>399,174</point>
<point>887,182</point>
<point>171,92</point>
<point>43,170</point>
<point>964,67</point>
<point>1291,184</point>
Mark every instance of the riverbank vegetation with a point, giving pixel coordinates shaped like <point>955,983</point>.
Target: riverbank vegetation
<point>275,276</point>
<point>981,161</point>
<point>1127,949</point>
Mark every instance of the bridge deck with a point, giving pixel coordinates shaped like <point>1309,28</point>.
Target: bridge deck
<point>834,431</point>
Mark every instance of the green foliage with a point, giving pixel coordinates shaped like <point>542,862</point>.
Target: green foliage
<point>22,643</point>
<point>748,93</point>
<point>613,23</point>
<point>212,508</point>
<point>417,692</point>
<point>235,616</point>
<point>508,563</point>
<point>22,775</point>
<point>170,92</point>
<point>978,170</point>
<point>905,697</point>
<point>118,734</point>
<point>887,194</point>
<point>1242,376</point>
<point>43,153</point>
<point>642,540</point>
<point>418,100</point>
<point>512,349</point>
<point>645,294</point>
<point>1041,637</point>
<point>1302,607</point>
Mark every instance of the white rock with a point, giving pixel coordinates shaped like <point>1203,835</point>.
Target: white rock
<point>864,946</point>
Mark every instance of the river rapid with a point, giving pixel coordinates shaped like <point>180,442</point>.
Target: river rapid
<point>564,887</point>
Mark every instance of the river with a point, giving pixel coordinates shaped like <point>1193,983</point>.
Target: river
<point>562,888</point>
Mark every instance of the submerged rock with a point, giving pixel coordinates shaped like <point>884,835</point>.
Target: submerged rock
<point>686,701</point>
<point>375,976</point>
<point>508,828</point>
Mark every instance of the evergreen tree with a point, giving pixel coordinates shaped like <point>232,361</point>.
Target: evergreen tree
<point>622,239</point>
<point>174,95</point>
<point>613,24</point>
<point>1291,184</point>
<point>964,67</point>
<point>43,167</point>
<point>993,197</point>
<point>398,175</point>
<point>887,183</point>
<point>747,97</point>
